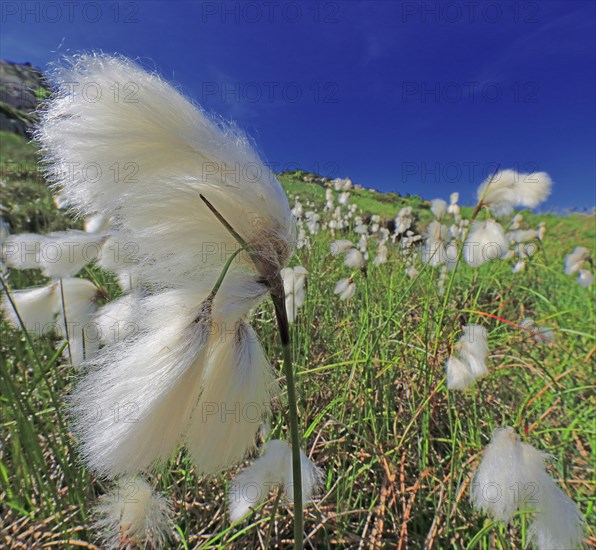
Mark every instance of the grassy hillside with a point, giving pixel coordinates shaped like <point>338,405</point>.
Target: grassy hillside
<point>370,202</point>
<point>397,448</point>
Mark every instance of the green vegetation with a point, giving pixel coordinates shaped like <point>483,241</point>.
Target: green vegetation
<point>397,448</point>
<point>370,202</point>
<point>26,203</point>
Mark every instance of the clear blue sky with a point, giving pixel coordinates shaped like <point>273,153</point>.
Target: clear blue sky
<point>414,97</point>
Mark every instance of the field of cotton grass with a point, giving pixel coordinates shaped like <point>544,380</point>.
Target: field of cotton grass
<point>442,355</point>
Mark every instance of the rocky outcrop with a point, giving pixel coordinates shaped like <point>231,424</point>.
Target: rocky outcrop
<point>22,88</point>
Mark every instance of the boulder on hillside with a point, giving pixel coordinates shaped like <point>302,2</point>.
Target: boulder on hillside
<point>22,88</point>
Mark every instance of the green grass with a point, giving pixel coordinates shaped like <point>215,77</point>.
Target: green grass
<point>397,449</point>
<point>19,157</point>
<point>370,202</point>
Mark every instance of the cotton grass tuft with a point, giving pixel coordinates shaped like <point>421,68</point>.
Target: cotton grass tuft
<point>252,485</point>
<point>512,476</point>
<point>132,516</point>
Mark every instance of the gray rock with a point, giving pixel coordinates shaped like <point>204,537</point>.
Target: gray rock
<point>22,88</point>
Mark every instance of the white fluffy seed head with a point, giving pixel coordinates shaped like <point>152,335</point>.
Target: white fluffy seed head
<point>585,277</point>
<point>436,231</point>
<point>274,467</point>
<point>533,189</point>
<point>344,198</point>
<point>37,307</point>
<point>522,235</point>
<point>168,153</point>
<point>132,515</point>
<point>381,256</point>
<point>58,254</point>
<point>459,375</point>
<point>354,259</point>
<point>345,288</point>
<point>135,398</point>
<point>63,307</point>
<point>313,222</point>
<point>251,485</point>
<point>23,251</point>
<point>237,390</point>
<point>434,251</point>
<point>469,361</point>
<point>363,244</point>
<point>498,191</point>
<point>486,241</point>
<point>294,280</point>
<point>403,220</point>
<point>473,348</point>
<point>558,524</point>
<point>512,476</point>
<point>541,231</point>
<point>116,321</point>
<point>541,335</point>
<point>439,208</point>
<point>508,188</point>
<point>298,209</point>
<point>500,469</point>
<point>178,171</point>
<point>575,261</point>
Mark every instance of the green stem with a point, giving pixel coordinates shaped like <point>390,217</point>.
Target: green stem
<point>295,437</point>
<point>460,251</point>
<point>276,290</point>
<point>223,273</point>
<point>65,322</point>
<point>232,231</point>
<point>278,298</point>
<point>42,370</point>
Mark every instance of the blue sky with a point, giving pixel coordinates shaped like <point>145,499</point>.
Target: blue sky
<point>414,97</point>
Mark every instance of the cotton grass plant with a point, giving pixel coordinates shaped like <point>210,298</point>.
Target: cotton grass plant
<point>132,515</point>
<point>64,307</point>
<point>398,444</point>
<point>512,477</point>
<point>209,250</point>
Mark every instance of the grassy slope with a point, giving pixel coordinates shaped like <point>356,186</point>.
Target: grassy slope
<point>397,448</point>
<point>385,205</point>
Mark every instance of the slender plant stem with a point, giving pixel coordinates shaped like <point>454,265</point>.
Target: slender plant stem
<point>65,322</point>
<point>278,298</point>
<point>272,520</point>
<point>40,365</point>
<point>460,252</point>
<point>295,436</point>
<point>222,275</point>
<point>231,230</point>
<point>276,290</point>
